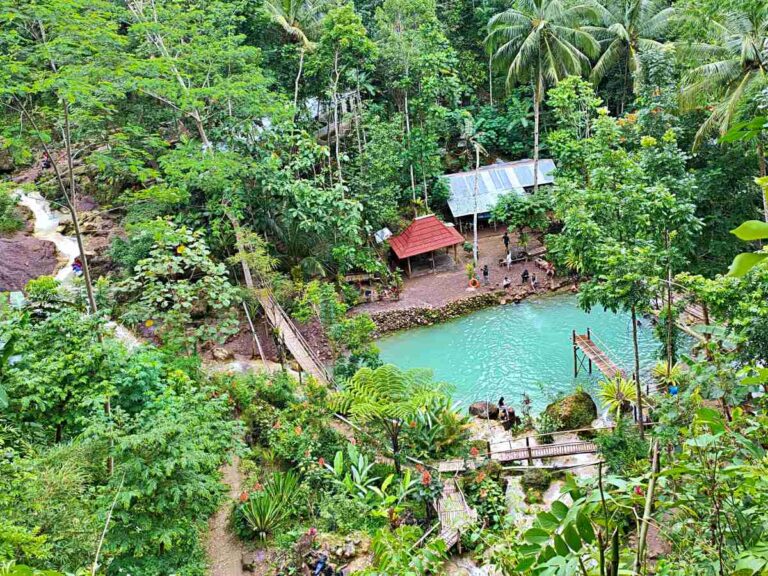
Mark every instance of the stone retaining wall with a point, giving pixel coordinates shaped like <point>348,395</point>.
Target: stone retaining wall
<point>392,320</point>
<point>402,319</point>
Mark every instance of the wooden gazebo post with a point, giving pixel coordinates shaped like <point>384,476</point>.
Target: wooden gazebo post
<point>408,262</point>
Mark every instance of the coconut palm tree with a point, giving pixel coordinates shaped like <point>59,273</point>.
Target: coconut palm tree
<point>628,27</point>
<point>735,71</point>
<point>299,19</point>
<point>542,42</point>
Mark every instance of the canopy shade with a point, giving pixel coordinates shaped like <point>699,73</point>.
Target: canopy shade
<point>424,235</point>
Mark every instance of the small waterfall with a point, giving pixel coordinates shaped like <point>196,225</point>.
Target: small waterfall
<point>46,225</point>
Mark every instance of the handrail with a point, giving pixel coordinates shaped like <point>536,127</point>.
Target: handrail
<point>277,309</point>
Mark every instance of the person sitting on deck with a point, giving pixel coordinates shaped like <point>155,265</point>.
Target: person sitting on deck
<point>524,277</point>
<point>503,410</point>
<point>506,283</point>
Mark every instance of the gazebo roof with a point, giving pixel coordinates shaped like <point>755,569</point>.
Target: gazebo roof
<point>425,234</point>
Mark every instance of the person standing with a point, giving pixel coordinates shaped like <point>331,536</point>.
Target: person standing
<point>508,259</point>
<point>485,275</point>
<point>505,239</point>
<point>524,277</point>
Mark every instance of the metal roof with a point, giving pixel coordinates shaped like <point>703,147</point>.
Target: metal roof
<point>493,181</point>
<point>424,234</point>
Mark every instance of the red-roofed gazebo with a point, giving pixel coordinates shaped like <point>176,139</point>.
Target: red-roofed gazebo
<point>425,235</point>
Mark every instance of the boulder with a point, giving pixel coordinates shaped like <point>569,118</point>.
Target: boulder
<point>485,410</point>
<point>575,411</point>
<point>24,258</point>
<point>221,354</point>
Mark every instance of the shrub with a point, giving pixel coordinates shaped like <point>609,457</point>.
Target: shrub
<point>487,497</point>
<point>9,222</point>
<point>621,448</point>
<point>341,514</point>
<point>536,479</point>
<point>545,425</point>
<point>266,510</point>
<point>259,417</point>
<point>263,514</point>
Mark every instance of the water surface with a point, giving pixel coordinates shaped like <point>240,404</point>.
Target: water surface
<point>517,348</point>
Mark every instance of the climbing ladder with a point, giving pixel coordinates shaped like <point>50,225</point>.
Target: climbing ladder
<point>294,341</point>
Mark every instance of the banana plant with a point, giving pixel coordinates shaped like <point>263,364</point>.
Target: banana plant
<point>356,479</point>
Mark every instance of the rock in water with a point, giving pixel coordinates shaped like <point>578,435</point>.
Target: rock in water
<point>24,258</point>
<point>485,410</point>
<point>574,412</point>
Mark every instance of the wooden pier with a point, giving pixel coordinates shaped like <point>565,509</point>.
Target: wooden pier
<point>593,354</point>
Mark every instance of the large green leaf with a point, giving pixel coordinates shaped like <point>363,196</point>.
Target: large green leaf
<point>560,546</point>
<point>744,262</point>
<point>572,537</point>
<point>751,230</point>
<point>559,509</point>
<point>536,536</point>
<point>584,526</point>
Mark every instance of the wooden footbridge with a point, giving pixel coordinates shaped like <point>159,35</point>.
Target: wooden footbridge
<point>505,452</point>
<point>294,341</point>
<point>454,513</point>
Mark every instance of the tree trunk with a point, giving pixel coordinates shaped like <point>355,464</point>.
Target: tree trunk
<point>761,164</point>
<point>335,90</point>
<point>490,78</point>
<point>536,112</point>
<point>408,137</point>
<point>669,309</point>
<point>296,83</point>
<point>638,386</point>
<point>640,556</point>
<point>474,214</point>
<point>395,438</point>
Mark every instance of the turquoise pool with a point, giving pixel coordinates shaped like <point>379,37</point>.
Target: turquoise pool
<point>517,348</point>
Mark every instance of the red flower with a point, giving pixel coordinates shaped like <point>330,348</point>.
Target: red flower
<point>474,451</point>
<point>321,461</point>
<point>483,493</point>
<point>638,491</point>
<point>426,478</point>
<point>258,487</point>
<point>480,477</point>
<point>243,496</point>
<point>412,424</point>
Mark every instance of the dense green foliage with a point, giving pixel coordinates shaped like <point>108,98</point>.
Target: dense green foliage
<point>248,150</point>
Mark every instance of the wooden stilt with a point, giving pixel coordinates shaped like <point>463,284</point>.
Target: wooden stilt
<point>575,356</point>
<point>408,261</point>
<point>432,255</point>
<point>589,335</point>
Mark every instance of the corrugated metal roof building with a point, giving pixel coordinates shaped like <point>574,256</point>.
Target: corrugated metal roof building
<point>494,180</point>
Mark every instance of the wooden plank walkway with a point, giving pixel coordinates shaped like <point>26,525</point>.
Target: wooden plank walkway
<point>597,356</point>
<point>454,513</point>
<point>294,341</point>
<point>503,452</point>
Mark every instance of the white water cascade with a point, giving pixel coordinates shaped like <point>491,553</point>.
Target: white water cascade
<point>46,224</point>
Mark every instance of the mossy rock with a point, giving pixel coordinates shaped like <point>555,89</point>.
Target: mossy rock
<point>575,411</point>
<point>536,479</point>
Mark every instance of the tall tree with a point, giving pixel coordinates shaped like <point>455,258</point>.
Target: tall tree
<point>542,42</point>
<point>628,27</point>
<point>735,71</point>
<point>299,19</point>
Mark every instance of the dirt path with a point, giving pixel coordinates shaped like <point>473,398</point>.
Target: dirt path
<point>224,549</point>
